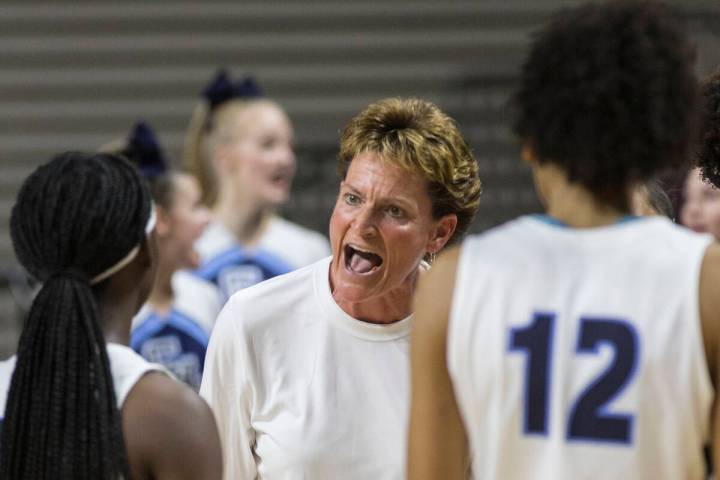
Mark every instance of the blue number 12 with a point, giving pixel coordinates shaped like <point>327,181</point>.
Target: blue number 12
<point>589,419</point>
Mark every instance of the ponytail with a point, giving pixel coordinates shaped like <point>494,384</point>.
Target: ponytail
<point>74,218</point>
<point>196,151</point>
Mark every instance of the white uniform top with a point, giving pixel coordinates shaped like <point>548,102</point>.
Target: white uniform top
<point>126,366</point>
<point>295,245</point>
<point>578,353</point>
<point>301,390</point>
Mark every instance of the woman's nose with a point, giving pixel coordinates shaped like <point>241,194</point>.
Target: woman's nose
<point>364,223</point>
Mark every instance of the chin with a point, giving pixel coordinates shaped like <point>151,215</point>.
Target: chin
<point>276,198</point>
<point>353,292</point>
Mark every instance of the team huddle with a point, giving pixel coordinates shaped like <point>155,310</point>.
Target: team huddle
<point>184,330</point>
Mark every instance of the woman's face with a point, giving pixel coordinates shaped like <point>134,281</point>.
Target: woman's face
<point>701,207</point>
<point>381,227</point>
<point>184,222</point>
<point>261,158</point>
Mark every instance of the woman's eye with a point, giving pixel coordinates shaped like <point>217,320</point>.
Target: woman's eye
<point>352,199</point>
<point>395,212</point>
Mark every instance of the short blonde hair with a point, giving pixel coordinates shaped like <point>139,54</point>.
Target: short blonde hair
<point>416,135</point>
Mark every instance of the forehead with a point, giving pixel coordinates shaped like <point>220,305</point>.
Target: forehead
<point>369,171</point>
<point>260,114</point>
<point>695,182</point>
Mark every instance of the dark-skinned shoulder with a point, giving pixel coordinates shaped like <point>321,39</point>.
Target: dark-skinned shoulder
<point>170,431</point>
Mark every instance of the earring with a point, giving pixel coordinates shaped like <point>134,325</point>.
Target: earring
<point>431,257</point>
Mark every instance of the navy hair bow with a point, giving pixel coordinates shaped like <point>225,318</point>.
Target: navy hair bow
<point>221,89</point>
<point>145,152</point>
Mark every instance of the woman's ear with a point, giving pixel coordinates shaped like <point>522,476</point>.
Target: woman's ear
<point>527,153</point>
<point>442,233</point>
<point>163,226</point>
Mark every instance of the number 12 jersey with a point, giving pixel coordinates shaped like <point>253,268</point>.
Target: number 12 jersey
<point>578,353</point>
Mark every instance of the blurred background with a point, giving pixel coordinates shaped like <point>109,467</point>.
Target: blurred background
<point>74,75</point>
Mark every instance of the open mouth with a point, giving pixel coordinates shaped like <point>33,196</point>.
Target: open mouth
<point>280,179</point>
<point>361,262</point>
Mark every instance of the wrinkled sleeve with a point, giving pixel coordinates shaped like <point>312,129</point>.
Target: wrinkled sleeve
<point>226,389</point>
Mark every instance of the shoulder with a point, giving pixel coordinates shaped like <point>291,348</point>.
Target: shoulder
<point>197,298</point>
<point>434,294</point>
<point>214,240</point>
<point>297,244</point>
<point>269,304</point>
<point>710,307</point>
<point>169,427</point>
<point>284,286</point>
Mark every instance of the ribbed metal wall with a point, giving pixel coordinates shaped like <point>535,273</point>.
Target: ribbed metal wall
<point>76,74</point>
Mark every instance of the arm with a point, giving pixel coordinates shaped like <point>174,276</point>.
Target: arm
<point>170,432</point>
<point>226,389</point>
<point>710,318</point>
<point>437,446</point>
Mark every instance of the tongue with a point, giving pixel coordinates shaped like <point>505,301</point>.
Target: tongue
<point>363,262</point>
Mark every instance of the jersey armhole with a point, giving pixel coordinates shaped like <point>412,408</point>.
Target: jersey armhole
<point>455,327</point>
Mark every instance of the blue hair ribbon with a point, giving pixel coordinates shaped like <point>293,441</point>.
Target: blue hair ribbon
<point>144,151</point>
<point>222,89</point>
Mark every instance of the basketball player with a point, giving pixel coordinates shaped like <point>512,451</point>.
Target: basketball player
<point>583,343</point>
<point>81,404</point>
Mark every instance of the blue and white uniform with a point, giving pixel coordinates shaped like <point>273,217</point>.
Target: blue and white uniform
<point>178,339</point>
<point>578,353</point>
<point>126,367</point>
<point>284,247</point>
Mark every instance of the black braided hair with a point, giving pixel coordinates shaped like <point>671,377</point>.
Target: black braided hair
<point>74,217</point>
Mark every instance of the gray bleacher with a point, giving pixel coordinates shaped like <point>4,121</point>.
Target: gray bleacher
<point>77,74</point>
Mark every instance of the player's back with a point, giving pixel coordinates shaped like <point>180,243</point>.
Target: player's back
<point>578,353</point>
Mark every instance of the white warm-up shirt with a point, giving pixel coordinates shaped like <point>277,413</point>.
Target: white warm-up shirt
<point>301,390</point>
<point>578,353</point>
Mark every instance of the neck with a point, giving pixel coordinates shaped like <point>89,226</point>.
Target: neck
<point>388,308</point>
<point>571,203</point>
<point>161,297</point>
<point>244,218</point>
<point>116,314</point>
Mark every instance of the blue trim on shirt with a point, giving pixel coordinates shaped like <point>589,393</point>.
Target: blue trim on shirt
<point>154,323</point>
<point>547,219</point>
<point>210,269</point>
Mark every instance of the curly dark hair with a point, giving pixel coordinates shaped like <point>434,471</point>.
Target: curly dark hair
<point>708,157</point>
<point>608,94</point>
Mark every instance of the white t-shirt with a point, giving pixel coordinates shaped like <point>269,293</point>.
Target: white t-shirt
<point>301,390</point>
<point>126,366</point>
<point>578,353</point>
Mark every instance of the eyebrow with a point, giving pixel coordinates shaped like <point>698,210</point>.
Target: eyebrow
<point>403,202</point>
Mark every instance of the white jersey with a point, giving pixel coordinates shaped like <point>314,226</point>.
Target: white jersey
<point>178,339</point>
<point>283,247</point>
<point>578,353</point>
<point>301,390</point>
<point>295,245</point>
<point>126,366</point>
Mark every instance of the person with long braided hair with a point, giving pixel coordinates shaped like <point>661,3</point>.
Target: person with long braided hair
<point>77,407</point>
